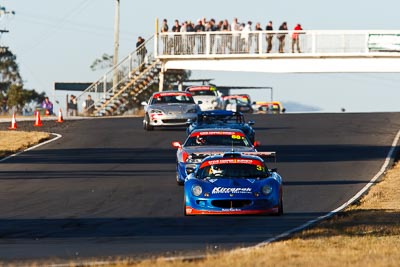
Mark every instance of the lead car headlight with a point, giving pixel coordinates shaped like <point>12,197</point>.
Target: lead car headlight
<point>197,190</point>
<point>266,189</point>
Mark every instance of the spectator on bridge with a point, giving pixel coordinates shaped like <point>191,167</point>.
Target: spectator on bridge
<point>226,38</point>
<point>201,42</point>
<point>191,41</point>
<point>296,39</point>
<point>164,29</point>
<point>235,28</point>
<point>282,36</point>
<point>269,36</point>
<point>246,37</point>
<point>177,38</point>
<point>256,36</point>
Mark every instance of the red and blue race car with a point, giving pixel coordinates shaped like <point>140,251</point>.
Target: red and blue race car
<point>234,183</point>
<point>205,142</point>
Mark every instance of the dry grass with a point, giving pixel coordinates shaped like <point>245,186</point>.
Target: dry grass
<point>366,234</point>
<point>14,141</point>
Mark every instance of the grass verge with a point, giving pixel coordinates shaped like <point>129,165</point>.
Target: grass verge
<point>14,141</point>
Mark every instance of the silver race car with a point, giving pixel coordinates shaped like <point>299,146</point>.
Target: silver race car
<point>169,108</point>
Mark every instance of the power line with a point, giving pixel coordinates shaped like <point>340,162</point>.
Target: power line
<point>55,28</point>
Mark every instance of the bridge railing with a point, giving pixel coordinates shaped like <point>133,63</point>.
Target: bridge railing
<point>255,43</point>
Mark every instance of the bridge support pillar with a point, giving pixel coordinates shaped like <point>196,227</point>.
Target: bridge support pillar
<point>161,79</point>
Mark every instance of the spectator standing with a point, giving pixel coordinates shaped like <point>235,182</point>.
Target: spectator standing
<point>191,41</point>
<point>201,42</point>
<point>141,52</point>
<point>184,37</point>
<point>48,106</point>
<point>235,28</point>
<point>212,27</point>
<point>72,106</point>
<point>282,36</point>
<point>246,37</point>
<point>226,38</point>
<point>269,36</point>
<point>257,36</point>
<point>164,29</point>
<point>295,38</point>
<point>177,38</point>
<point>88,105</point>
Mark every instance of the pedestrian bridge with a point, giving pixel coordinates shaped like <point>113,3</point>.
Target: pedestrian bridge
<point>322,51</point>
<point>131,81</point>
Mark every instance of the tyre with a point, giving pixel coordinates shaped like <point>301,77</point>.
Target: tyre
<point>184,206</point>
<point>146,124</point>
<point>179,182</point>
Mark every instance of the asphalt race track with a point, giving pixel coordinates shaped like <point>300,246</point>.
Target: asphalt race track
<point>107,187</point>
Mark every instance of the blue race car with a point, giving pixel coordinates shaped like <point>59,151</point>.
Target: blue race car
<point>222,119</point>
<point>205,142</point>
<point>233,183</point>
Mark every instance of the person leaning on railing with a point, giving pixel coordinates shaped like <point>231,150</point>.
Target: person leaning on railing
<point>296,39</point>
<point>164,29</point>
<point>282,36</point>
<point>269,36</point>
<point>141,52</point>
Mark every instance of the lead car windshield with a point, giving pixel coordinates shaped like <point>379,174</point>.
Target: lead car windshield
<point>221,171</point>
<point>218,140</point>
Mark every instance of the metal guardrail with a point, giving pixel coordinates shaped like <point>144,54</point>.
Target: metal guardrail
<point>111,81</point>
<point>255,43</point>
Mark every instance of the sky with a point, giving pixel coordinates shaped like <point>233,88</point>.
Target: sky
<point>57,41</point>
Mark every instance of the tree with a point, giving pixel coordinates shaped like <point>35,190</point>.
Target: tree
<point>104,62</point>
<point>12,94</point>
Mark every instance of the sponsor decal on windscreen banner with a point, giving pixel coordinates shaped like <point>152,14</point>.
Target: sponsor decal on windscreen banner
<point>384,43</point>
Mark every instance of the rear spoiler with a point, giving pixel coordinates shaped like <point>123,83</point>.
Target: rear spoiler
<point>263,155</point>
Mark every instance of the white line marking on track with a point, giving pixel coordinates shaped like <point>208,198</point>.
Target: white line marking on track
<point>58,136</point>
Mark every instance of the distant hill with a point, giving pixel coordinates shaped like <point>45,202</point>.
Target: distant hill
<point>298,107</point>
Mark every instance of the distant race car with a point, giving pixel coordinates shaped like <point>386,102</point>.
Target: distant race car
<point>169,108</point>
<point>233,183</point>
<point>222,119</point>
<point>204,142</point>
<point>209,96</point>
<point>274,107</point>
<point>238,103</point>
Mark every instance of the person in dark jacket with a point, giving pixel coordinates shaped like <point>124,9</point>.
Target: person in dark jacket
<point>282,36</point>
<point>141,51</point>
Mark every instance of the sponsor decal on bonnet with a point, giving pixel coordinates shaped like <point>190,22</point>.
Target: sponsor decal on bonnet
<point>227,190</point>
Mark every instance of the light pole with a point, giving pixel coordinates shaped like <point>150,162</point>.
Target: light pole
<point>116,44</point>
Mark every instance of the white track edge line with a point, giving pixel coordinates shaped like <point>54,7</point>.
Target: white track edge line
<point>58,136</point>
<point>345,205</point>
